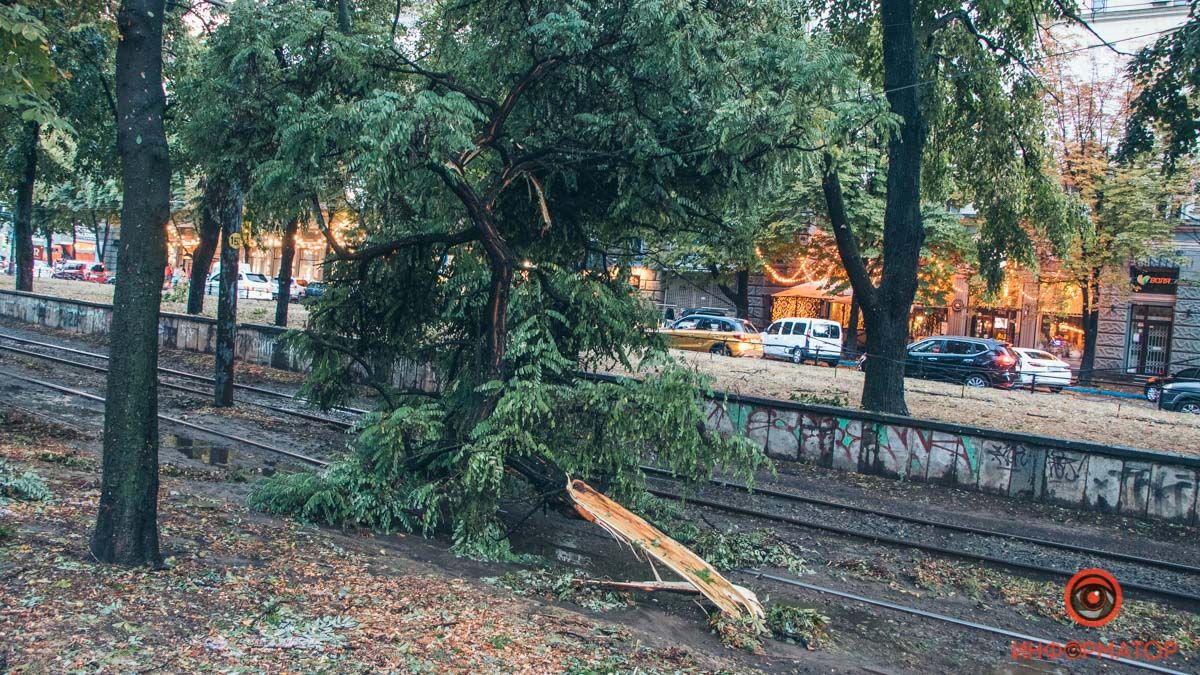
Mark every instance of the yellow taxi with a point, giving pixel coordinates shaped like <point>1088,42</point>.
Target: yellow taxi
<point>714,334</point>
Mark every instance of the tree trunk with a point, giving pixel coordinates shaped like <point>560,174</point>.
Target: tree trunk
<point>850,348</point>
<point>1091,325</point>
<point>229,212</point>
<point>202,257</point>
<point>49,245</point>
<point>886,320</point>
<point>738,294</point>
<point>343,16</point>
<point>127,523</point>
<point>23,220</point>
<point>287,258</point>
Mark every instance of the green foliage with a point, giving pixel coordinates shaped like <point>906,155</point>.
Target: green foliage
<point>26,68</point>
<point>732,550</point>
<point>26,486</point>
<point>832,397</point>
<point>559,585</point>
<point>790,622</point>
<point>741,632</point>
<point>1166,109</point>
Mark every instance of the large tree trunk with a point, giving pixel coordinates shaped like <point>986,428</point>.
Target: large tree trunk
<point>127,524</point>
<point>229,212</point>
<point>903,232</point>
<point>1091,325</point>
<point>23,220</point>
<point>287,258</point>
<point>202,257</point>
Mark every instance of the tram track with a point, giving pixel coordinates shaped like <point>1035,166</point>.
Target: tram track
<point>916,520</point>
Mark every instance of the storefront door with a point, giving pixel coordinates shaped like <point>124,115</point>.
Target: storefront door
<point>1149,339</point>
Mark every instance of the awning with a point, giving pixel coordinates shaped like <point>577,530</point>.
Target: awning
<point>815,289</point>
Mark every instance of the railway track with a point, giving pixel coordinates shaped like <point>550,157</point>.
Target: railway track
<point>786,581</point>
<point>1082,550</point>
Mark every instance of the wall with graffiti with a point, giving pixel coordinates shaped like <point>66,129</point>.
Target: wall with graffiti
<point>1130,482</point>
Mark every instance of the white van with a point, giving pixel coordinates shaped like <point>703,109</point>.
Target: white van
<point>801,339</point>
<point>249,285</point>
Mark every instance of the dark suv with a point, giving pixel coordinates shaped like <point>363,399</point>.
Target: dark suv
<point>1181,397</point>
<point>975,362</point>
<point>1155,384</point>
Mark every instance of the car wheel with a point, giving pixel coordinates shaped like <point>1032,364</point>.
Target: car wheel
<point>1152,394</point>
<point>1056,390</point>
<point>797,356</point>
<point>977,380</point>
<point>1189,407</point>
<point>720,350</point>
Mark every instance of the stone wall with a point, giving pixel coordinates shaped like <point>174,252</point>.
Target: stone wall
<point>255,343</point>
<point>1127,481</point>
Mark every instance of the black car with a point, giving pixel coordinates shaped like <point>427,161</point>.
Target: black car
<point>1181,397</point>
<point>1155,384</point>
<point>975,362</point>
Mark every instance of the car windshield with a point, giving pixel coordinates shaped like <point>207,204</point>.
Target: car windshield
<point>262,279</point>
<point>1038,354</point>
<point>746,326</point>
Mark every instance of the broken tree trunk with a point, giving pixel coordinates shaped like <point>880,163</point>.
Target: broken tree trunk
<point>735,601</point>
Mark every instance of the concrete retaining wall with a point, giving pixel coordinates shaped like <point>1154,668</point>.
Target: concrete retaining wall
<point>255,343</point>
<point>1090,476</point>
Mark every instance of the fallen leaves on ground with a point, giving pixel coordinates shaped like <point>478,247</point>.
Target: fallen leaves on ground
<point>250,593</point>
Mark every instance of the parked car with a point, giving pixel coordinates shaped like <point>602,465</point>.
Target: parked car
<point>294,295</point>
<point>975,362</point>
<point>715,334</point>
<point>1041,368</point>
<point>314,289</point>
<point>41,269</point>
<point>706,311</point>
<point>78,270</point>
<point>1181,397</point>
<point>803,339</point>
<point>1155,384</point>
<point>249,285</point>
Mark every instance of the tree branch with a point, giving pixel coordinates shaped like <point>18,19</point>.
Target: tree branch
<point>324,228</point>
<point>388,248</point>
<point>856,270</point>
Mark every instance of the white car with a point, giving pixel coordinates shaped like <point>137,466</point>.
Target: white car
<point>294,294</point>
<point>249,285</point>
<point>801,340</point>
<point>1042,369</point>
<point>41,269</point>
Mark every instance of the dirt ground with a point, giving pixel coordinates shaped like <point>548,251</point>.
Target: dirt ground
<point>249,311</point>
<point>1099,419</point>
<point>254,594</point>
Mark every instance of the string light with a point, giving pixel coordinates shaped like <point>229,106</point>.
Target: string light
<point>804,276</point>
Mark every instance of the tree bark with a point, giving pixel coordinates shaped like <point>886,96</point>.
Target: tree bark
<point>229,212</point>
<point>886,309</point>
<point>739,293</point>
<point>287,258</point>
<point>23,220</point>
<point>1091,325</point>
<point>202,257</point>
<point>127,523</point>
<point>850,348</point>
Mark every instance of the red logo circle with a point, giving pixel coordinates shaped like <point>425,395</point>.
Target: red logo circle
<point>1093,598</point>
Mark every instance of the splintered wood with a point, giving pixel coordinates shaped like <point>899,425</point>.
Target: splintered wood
<point>735,601</point>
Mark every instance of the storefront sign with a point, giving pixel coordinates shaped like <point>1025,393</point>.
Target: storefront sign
<point>1159,280</point>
